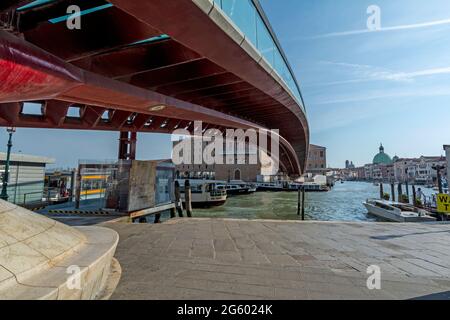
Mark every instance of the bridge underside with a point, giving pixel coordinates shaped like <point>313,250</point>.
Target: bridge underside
<point>140,66</point>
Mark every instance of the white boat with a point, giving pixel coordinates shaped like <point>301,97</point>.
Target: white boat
<point>236,188</point>
<point>314,187</point>
<point>397,212</point>
<point>273,186</point>
<point>204,194</point>
<point>292,186</point>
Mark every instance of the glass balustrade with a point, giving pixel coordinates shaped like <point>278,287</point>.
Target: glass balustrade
<point>247,18</point>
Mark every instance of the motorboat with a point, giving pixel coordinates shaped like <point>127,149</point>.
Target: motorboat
<point>397,212</point>
<point>315,187</point>
<point>273,186</point>
<point>234,189</point>
<point>204,194</point>
<point>292,187</point>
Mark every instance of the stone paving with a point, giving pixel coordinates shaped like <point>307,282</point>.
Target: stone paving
<point>241,259</point>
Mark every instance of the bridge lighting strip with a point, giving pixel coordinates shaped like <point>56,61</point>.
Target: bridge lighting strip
<point>82,13</point>
<point>34,4</point>
<point>152,39</point>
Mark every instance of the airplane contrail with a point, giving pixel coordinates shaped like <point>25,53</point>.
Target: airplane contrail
<point>394,28</point>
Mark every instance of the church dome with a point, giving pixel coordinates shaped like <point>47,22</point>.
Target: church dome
<point>382,158</point>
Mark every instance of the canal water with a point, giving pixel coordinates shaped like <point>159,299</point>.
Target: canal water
<point>342,203</point>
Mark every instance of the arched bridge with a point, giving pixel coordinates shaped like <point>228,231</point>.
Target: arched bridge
<point>149,66</point>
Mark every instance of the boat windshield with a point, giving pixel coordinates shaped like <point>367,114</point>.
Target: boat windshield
<point>384,206</point>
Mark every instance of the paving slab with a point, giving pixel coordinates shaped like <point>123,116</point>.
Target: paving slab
<point>262,259</point>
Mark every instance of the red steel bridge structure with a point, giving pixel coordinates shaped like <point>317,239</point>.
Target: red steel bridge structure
<point>149,66</point>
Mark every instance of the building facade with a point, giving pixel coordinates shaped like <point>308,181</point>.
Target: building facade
<point>250,165</point>
<point>418,170</point>
<point>317,160</point>
<point>26,177</point>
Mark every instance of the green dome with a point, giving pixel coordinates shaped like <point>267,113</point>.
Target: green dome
<point>382,158</point>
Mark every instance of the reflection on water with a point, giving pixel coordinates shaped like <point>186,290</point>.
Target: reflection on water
<point>343,203</point>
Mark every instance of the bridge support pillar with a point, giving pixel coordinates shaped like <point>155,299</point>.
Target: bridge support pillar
<point>127,145</point>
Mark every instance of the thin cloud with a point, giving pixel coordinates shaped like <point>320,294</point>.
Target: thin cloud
<point>394,28</point>
<point>367,73</point>
<point>377,95</point>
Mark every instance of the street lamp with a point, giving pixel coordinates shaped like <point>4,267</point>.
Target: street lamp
<point>4,194</point>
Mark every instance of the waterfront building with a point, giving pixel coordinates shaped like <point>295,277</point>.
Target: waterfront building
<point>368,172</point>
<point>381,168</point>
<point>317,160</point>
<point>382,158</point>
<point>425,173</point>
<point>405,169</point>
<point>418,170</point>
<point>255,166</point>
<point>360,173</point>
<point>26,177</point>
<point>349,164</point>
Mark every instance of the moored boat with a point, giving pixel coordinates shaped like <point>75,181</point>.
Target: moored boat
<point>204,194</point>
<point>292,187</point>
<point>397,212</point>
<point>234,188</point>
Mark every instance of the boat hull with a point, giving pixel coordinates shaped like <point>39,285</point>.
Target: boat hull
<point>238,192</point>
<point>393,217</point>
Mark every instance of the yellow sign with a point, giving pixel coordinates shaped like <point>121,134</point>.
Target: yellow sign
<point>443,203</point>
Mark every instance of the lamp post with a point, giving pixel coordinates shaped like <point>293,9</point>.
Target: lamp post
<point>4,194</point>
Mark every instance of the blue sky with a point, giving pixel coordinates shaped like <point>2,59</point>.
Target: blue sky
<point>360,88</point>
<point>363,88</point>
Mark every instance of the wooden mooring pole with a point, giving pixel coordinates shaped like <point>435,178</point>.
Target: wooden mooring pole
<point>188,198</point>
<point>414,195</point>
<point>78,188</point>
<point>303,203</point>
<point>392,192</point>
<point>400,192</point>
<point>407,190</point>
<point>298,200</point>
<point>173,213</point>
<point>178,202</point>
<point>381,191</point>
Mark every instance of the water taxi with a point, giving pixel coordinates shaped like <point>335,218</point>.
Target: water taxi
<point>397,212</point>
<point>204,194</point>
<point>291,186</point>
<point>234,188</point>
